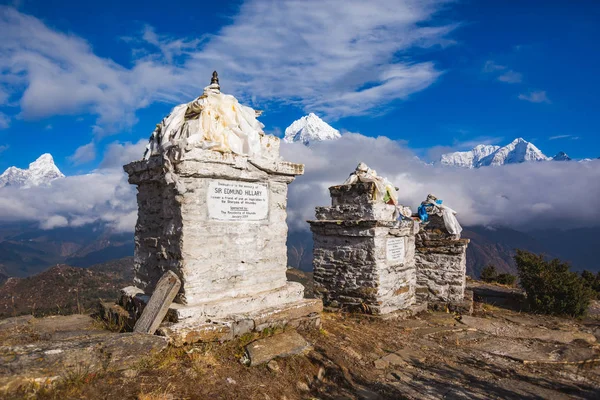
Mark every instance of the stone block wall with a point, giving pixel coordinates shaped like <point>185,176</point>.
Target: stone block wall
<point>215,259</point>
<point>441,264</point>
<point>353,238</point>
<point>158,229</point>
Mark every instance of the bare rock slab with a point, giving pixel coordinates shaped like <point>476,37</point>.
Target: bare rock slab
<point>27,329</point>
<point>531,351</point>
<point>43,350</point>
<point>505,329</point>
<point>285,344</point>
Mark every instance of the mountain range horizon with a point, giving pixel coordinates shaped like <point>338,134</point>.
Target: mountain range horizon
<point>310,129</point>
<point>489,245</point>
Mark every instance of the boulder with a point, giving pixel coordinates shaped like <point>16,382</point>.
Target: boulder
<point>264,350</point>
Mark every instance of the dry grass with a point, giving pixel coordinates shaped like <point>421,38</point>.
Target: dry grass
<point>340,366</point>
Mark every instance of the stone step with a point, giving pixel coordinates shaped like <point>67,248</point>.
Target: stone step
<point>134,300</point>
<point>291,292</point>
<point>303,314</point>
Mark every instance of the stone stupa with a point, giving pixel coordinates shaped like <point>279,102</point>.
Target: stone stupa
<point>212,197</point>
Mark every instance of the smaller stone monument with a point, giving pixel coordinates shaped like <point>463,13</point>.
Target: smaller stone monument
<point>441,258</point>
<point>364,247</point>
<point>212,198</point>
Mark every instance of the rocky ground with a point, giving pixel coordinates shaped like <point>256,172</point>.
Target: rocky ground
<point>496,353</point>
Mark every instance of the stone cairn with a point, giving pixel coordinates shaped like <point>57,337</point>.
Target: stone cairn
<point>364,258</point>
<point>441,261</point>
<point>212,196</point>
<point>372,255</point>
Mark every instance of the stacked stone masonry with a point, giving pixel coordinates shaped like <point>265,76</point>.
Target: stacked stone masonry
<point>363,258</point>
<point>217,220</point>
<point>441,264</point>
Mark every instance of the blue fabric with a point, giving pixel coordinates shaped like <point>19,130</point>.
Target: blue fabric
<point>438,202</point>
<point>423,213</point>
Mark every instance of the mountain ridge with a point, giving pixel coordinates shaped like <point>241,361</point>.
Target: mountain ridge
<point>310,128</point>
<point>516,152</point>
<point>42,171</point>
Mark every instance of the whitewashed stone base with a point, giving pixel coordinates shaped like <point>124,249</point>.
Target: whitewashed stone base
<point>215,257</point>
<point>290,293</point>
<point>218,221</point>
<point>217,322</point>
<point>303,314</point>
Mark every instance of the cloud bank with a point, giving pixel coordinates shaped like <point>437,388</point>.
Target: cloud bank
<point>535,96</point>
<point>525,196</point>
<point>104,196</point>
<point>522,196</point>
<point>271,52</point>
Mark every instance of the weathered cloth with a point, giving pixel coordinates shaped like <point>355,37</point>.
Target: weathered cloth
<point>433,206</point>
<point>213,121</point>
<point>386,192</point>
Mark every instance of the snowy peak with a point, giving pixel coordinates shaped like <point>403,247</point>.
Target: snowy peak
<point>40,172</point>
<point>468,159</point>
<point>561,156</point>
<point>518,151</point>
<point>310,128</point>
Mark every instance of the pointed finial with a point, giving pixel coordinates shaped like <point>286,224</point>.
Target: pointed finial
<point>215,78</point>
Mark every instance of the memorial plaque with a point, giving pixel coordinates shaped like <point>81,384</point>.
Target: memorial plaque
<point>237,201</point>
<point>395,250</point>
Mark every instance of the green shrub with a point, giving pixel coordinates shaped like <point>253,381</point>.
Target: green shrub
<point>593,282</point>
<point>506,279</point>
<point>551,288</point>
<point>489,273</point>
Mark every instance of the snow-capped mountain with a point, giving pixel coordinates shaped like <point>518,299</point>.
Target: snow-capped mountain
<point>310,128</point>
<point>469,159</point>
<point>561,156</point>
<point>518,151</point>
<point>40,172</point>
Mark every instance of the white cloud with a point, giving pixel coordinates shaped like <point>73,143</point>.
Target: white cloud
<point>511,77</point>
<point>54,221</point>
<point>563,137</point>
<point>84,154</point>
<point>522,196</point>
<point>4,148</point>
<point>337,58</point>
<point>169,48</point>
<point>101,196</point>
<point>3,96</point>
<point>535,96</point>
<point>491,66</point>
<point>73,201</point>
<point>118,154</point>
<point>4,121</point>
<point>506,75</point>
<point>58,74</point>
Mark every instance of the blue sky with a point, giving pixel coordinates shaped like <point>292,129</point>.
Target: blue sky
<point>76,77</point>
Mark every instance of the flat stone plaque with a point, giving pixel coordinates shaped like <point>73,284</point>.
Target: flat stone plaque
<point>237,201</point>
<point>395,250</point>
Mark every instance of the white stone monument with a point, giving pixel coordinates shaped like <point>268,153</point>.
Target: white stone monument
<point>364,252</point>
<point>212,196</point>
